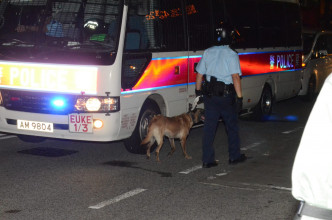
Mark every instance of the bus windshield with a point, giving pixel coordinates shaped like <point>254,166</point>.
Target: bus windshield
<point>42,27</point>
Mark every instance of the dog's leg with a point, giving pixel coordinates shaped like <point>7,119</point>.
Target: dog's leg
<point>149,148</point>
<point>171,141</point>
<point>183,145</point>
<point>160,142</point>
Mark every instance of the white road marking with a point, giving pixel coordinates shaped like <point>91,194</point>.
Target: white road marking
<point>269,186</point>
<point>191,169</point>
<point>251,146</point>
<point>291,131</point>
<point>221,174</point>
<point>282,188</point>
<point>251,187</point>
<point>5,136</point>
<point>117,199</point>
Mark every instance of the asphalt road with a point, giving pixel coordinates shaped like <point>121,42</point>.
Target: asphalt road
<point>59,179</point>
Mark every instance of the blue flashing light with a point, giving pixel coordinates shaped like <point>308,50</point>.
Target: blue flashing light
<point>58,102</point>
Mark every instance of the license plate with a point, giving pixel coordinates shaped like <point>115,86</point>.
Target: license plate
<point>80,123</point>
<point>35,126</point>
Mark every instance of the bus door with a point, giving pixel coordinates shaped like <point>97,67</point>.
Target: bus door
<point>161,51</point>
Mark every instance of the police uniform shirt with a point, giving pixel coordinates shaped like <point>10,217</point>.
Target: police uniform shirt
<point>220,62</point>
<point>312,169</point>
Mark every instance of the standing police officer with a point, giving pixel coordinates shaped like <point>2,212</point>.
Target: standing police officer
<point>222,96</point>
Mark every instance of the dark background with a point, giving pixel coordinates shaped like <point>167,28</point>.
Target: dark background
<point>317,14</point>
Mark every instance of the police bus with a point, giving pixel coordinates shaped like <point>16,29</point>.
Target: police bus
<point>97,70</point>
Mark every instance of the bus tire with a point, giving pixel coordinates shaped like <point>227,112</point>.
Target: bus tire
<point>264,107</point>
<point>311,92</point>
<point>133,143</point>
<point>31,139</point>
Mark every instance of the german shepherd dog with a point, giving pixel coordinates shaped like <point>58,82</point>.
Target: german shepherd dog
<point>172,127</point>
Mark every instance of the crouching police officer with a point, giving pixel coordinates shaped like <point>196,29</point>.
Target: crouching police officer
<point>222,95</point>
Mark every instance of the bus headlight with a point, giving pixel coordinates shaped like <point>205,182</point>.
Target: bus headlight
<point>98,104</point>
<point>93,104</point>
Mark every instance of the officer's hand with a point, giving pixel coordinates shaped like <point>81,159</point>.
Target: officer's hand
<point>199,94</point>
<point>239,103</point>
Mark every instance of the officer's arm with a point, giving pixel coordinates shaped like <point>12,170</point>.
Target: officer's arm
<point>199,78</point>
<point>237,84</point>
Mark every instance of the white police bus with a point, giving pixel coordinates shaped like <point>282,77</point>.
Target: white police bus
<point>96,70</point>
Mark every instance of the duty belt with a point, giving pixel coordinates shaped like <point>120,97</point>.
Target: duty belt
<point>229,87</point>
<point>313,211</point>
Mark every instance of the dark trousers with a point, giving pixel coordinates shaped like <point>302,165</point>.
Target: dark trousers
<point>216,107</point>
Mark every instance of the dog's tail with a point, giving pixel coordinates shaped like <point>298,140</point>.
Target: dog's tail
<point>149,138</point>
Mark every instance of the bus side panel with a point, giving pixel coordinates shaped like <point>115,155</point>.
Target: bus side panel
<point>164,81</point>
<point>289,84</point>
<point>281,69</point>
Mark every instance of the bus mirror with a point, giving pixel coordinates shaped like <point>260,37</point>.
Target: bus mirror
<point>322,53</point>
<point>133,40</point>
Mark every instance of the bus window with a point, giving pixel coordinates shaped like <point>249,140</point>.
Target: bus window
<point>199,24</point>
<point>65,13</point>
<point>17,16</point>
<point>293,25</point>
<point>218,10</point>
<point>243,16</point>
<point>136,32</point>
<point>164,25</point>
<point>271,24</point>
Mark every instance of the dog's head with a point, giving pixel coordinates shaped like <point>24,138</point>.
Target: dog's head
<point>197,115</point>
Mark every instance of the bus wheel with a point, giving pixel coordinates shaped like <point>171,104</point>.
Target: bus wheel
<point>132,144</point>
<point>311,89</point>
<point>264,106</point>
<point>31,139</point>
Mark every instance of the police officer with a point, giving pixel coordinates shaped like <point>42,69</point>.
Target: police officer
<point>222,95</point>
